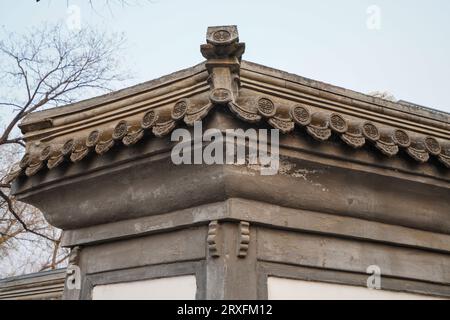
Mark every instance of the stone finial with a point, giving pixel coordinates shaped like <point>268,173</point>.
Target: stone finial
<point>223,52</point>
<point>222,42</point>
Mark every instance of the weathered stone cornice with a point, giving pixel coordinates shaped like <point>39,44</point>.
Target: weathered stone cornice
<point>253,93</point>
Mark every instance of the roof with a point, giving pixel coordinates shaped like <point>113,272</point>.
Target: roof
<point>253,93</point>
<point>40,285</point>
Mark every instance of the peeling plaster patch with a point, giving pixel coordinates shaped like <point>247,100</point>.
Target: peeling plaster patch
<point>158,192</point>
<point>145,227</point>
<point>137,227</point>
<point>288,168</point>
<point>252,167</point>
<point>204,213</point>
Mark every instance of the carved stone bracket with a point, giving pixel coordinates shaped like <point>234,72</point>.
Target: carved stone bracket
<point>244,239</point>
<point>74,257</point>
<point>213,239</point>
<point>73,273</point>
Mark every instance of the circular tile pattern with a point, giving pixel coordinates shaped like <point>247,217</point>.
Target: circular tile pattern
<point>92,138</point>
<point>221,36</point>
<point>45,153</point>
<point>432,145</point>
<point>120,130</point>
<point>179,110</point>
<point>67,147</point>
<point>220,95</point>
<point>370,131</point>
<point>266,107</point>
<point>301,115</point>
<point>149,119</point>
<point>401,138</point>
<point>338,123</point>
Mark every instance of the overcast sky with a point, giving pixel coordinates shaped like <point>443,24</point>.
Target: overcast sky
<point>400,46</point>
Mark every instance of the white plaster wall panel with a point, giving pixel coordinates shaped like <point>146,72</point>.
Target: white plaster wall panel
<point>174,288</point>
<point>290,289</point>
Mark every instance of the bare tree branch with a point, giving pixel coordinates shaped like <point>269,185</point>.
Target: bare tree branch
<point>48,67</point>
<point>16,215</point>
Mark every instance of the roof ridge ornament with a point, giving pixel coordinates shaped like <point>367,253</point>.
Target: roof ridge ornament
<point>222,42</point>
<point>223,52</point>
